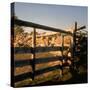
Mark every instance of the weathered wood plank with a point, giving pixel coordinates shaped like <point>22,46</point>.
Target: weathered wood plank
<point>47,49</point>
<point>23,77</point>
<point>20,63</point>
<point>20,50</point>
<point>48,69</point>
<point>47,59</point>
<point>30,24</point>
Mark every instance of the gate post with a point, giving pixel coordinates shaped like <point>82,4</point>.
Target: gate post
<point>33,56</point>
<point>74,43</point>
<point>61,73</point>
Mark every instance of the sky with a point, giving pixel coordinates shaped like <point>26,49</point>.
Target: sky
<point>57,16</point>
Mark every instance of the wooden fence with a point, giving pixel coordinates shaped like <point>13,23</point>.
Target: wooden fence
<point>19,63</point>
<point>33,50</point>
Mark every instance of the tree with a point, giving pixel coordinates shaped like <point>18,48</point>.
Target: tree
<point>18,30</point>
<point>15,28</point>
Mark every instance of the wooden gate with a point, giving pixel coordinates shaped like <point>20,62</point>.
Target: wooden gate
<point>34,50</point>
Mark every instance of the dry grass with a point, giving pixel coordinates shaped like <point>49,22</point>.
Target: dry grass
<point>38,79</point>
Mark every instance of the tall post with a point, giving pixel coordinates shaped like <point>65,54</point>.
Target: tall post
<point>75,32</point>
<point>74,43</point>
<point>62,54</point>
<point>33,56</point>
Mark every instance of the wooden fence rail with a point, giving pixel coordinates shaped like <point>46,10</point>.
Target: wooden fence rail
<point>19,50</point>
<point>23,77</point>
<point>34,25</point>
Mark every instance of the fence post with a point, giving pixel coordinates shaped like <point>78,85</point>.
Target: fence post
<point>33,56</point>
<point>74,43</point>
<point>62,54</point>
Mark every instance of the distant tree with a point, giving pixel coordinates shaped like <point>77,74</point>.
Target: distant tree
<point>18,30</point>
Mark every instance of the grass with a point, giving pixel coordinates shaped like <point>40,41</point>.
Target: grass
<point>50,76</point>
<point>39,79</point>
